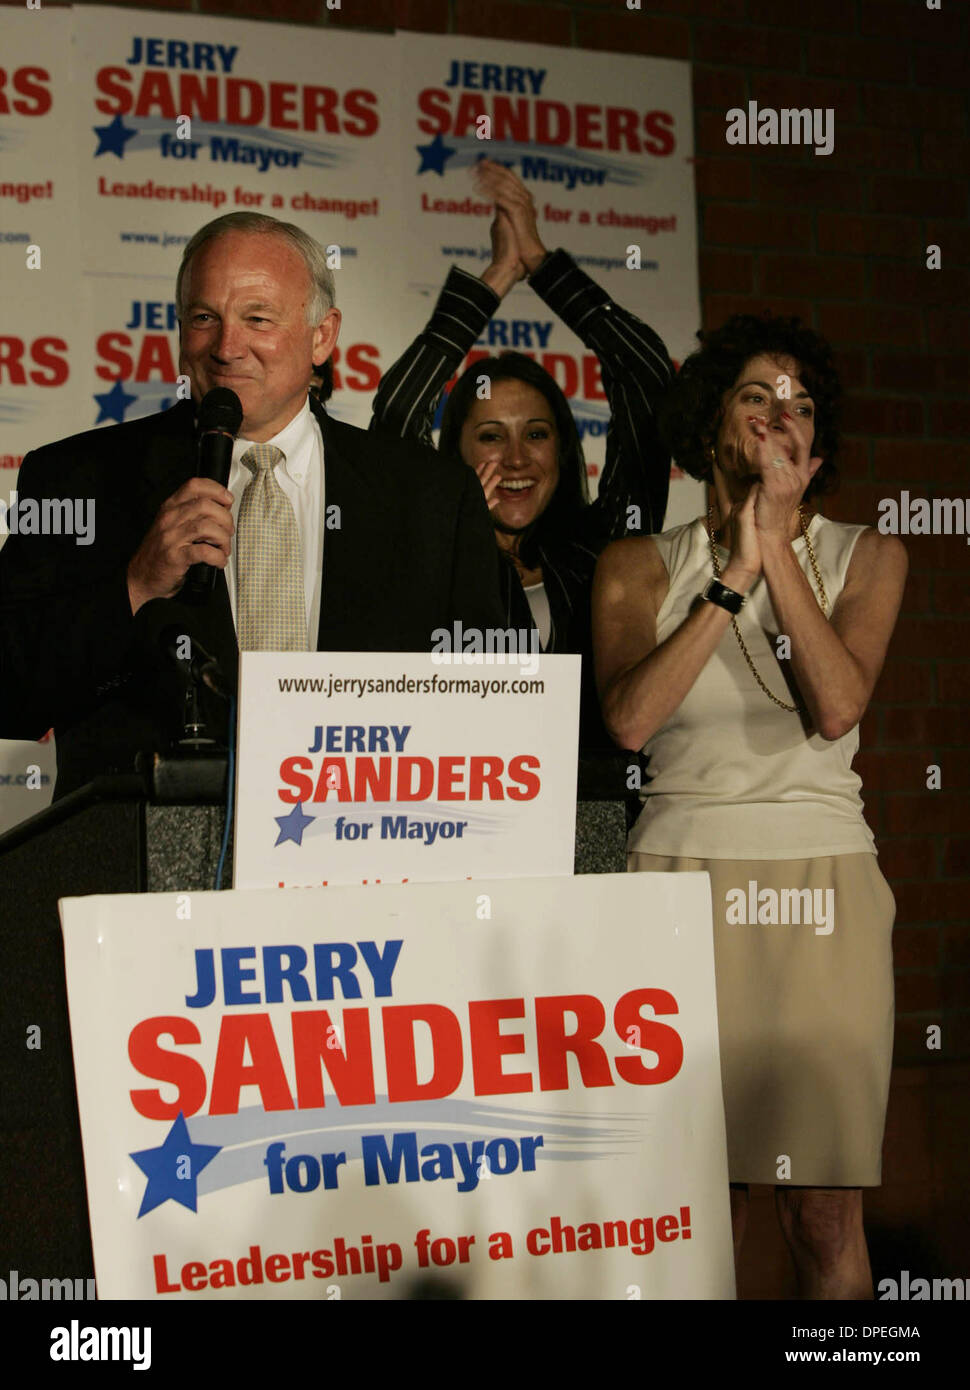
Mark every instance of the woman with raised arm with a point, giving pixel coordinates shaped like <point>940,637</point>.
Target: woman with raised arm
<point>740,652</point>
<point>522,439</point>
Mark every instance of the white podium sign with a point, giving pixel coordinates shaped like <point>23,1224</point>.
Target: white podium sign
<point>501,1089</point>
<point>361,767</point>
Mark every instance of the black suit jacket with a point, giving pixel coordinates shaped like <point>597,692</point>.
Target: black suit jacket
<point>414,551</point>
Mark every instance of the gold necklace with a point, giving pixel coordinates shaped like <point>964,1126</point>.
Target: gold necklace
<point>823,600</point>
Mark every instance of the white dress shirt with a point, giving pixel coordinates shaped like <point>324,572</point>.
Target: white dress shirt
<point>300,475</point>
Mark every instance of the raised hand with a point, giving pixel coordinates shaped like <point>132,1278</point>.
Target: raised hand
<point>489,473</point>
<point>746,547</point>
<point>511,196</point>
<point>194,524</point>
<point>783,460</point>
<point>505,268</point>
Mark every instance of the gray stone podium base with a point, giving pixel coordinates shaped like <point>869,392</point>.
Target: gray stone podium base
<point>182,844</point>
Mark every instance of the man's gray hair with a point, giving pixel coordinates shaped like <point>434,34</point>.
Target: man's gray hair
<point>313,254</point>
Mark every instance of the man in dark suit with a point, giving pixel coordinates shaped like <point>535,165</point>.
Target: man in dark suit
<point>391,540</point>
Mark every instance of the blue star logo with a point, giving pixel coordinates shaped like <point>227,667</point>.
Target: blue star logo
<point>113,404</point>
<point>293,825</point>
<point>113,138</point>
<point>433,156</point>
<point>173,1169</point>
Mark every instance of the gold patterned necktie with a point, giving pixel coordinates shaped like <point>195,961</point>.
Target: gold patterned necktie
<point>269,564</point>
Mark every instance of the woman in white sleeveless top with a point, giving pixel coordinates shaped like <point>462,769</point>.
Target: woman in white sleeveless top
<point>739,653</point>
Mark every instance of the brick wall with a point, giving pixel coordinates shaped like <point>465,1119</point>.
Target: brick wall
<point>840,240</point>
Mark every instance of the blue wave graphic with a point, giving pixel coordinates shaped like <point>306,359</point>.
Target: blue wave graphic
<point>568,1136</point>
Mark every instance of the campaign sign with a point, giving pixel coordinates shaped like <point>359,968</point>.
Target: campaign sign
<point>367,767</point>
<point>507,1089</point>
<point>604,143</point>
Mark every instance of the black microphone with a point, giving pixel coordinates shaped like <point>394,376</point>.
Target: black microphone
<point>220,416</point>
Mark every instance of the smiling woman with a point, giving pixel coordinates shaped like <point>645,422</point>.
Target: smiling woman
<point>751,735</point>
<point>507,418</point>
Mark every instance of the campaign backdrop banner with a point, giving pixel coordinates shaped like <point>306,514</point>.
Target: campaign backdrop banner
<point>182,119</point>
<point>507,1089</point>
<point>362,766</point>
<point>124,131</point>
<point>604,143</point>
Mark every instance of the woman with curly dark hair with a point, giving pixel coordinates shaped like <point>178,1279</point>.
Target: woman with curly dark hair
<point>740,652</point>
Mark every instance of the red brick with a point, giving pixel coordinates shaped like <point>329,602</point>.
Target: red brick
<point>722,178</point>
<point>950,418</point>
<point>857,58</point>
<point>953,238</point>
<point>501,19</point>
<point>824,277</point>
<point>854,375</point>
<point>905,20</point>
<point>868,236</point>
<point>956,989</point>
<point>938,197</point>
<point>811,186</point>
<point>909,1042</point>
<point>721,88</point>
<point>936,813</point>
<point>632,33</point>
<point>922,639</point>
<point>875,415</point>
<point>947,326</point>
<point>824,15</point>
<point>756,226</point>
<point>918,992</point>
<point>857,501</point>
<point>131,4</point>
<point>929,901</point>
<point>295,11</point>
<point>872,147</point>
<point>710,129</point>
<point>915,948</point>
<point>427,16</point>
<point>924,371</point>
<point>903,108</point>
<point>956,857</point>
<point>907,857</point>
<point>940,66</point>
<point>909,463</point>
<point>718,307</point>
<point>895,770</point>
<point>944,152</point>
<point>937,553</point>
<point>870,323</point>
<point>903,683</point>
<point>943,727</point>
<point>903,371</point>
<point>916,596</point>
<point>953,681</point>
<point>853,453</point>
<point>777,91</point>
<point>951,594</point>
<point>956,945</point>
<point>726,270</point>
<point>917,285</point>
<point>721,9</point>
<point>738,45</point>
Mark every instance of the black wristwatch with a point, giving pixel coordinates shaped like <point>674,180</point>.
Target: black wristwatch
<point>716,592</point>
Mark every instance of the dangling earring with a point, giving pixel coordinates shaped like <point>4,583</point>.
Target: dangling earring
<point>711,456</point>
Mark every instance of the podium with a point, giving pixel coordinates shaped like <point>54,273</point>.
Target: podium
<point>116,836</point>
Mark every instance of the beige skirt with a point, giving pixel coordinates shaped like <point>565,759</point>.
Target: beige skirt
<point>804,1011</point>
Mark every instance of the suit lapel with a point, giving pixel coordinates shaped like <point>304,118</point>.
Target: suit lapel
<point>344,488</point>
